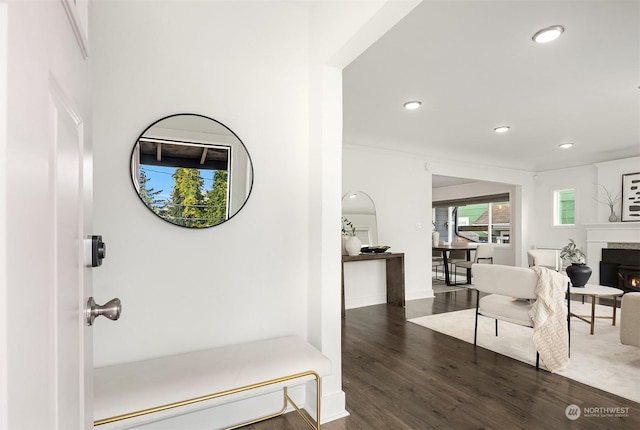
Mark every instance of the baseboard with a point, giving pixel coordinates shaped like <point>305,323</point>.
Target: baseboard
<point>419,294</point>
<point>333,407</point>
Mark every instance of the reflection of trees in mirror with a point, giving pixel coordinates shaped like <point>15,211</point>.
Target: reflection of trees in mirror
<point>150,196</point>
<point>190,204</point>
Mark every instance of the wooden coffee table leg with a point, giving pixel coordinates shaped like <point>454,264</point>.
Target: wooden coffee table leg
<point>593,312</point>
<point>615,300</point>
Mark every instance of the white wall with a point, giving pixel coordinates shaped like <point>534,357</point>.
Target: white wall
<point>246,279</point>
<point>332,23</point>
<point>185,289</point>
<point>609,175</point>
<point>531,196</point>
<point>270,71</point>
<point>401,190</point>
<point>589,212</point>
<point>585,181</point>
<point>582,180</point>
<point>400,185</point>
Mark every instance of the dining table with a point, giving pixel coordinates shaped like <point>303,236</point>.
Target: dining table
<point>445,249</point>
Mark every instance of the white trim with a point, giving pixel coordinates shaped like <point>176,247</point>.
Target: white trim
<point>556,208</point>
<point>71,8</point>
<point>4,406</point>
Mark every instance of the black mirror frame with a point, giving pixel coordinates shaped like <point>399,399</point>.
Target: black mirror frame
<point>210,119</point>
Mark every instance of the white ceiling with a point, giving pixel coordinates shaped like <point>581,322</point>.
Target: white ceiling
<point>474,67</point>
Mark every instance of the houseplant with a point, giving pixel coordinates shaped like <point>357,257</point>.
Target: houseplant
<point>578,272</point>
<point>352,244</point>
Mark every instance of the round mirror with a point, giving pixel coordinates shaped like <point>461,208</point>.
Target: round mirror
<point>191,170</point>
<point>358,208</point>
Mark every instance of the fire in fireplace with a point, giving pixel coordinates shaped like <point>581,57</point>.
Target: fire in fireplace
<point>620,268</point>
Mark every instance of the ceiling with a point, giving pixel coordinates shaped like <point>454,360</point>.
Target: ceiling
<point>474,67</point>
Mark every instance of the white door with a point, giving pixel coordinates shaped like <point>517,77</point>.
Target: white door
<point>45,213</point>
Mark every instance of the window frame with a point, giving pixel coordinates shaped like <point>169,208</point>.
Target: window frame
<point>557,208</point>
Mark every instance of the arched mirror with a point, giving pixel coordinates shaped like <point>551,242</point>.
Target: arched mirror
<point>191,170</point>
<point>358,208</point>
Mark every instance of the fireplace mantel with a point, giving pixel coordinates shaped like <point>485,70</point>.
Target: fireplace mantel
<point>601,234</point>
<point>631,225</point>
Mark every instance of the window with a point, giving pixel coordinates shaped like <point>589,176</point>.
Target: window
<point>564,207</point>
<point>484,222</point>
<point>475,219</point>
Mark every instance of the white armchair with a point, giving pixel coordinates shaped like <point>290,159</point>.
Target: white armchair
<point>549,258</point>
<point>630,319</point>
<point>511,295</point>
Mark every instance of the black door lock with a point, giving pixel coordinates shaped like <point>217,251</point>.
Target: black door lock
<point>98,250</point>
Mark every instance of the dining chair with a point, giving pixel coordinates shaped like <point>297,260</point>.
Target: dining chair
<point>455,257</point>
<point>436,263</point>
<point>483,255</point>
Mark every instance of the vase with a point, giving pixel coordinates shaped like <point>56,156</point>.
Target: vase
<point>352,245</point>
<point>435,238</point>
<point>342,241</point>
<point>612,216</point>
<point>579,274</point>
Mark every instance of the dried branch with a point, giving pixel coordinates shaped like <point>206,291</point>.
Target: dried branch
<point>608,198</point>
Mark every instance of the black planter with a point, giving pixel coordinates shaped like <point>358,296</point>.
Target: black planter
<point>579,274</point>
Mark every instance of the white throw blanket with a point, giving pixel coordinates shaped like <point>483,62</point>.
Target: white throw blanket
<point>549,315</point>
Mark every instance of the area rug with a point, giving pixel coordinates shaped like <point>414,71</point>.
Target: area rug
<point>597,360</point>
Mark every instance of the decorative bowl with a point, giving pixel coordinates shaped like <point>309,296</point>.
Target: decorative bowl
<point>378,249</point>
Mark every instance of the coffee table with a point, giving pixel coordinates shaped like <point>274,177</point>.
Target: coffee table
<point>594,291</point>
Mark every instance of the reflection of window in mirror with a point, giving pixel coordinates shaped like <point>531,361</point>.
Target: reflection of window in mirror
<point>184,182</point>
<point>191,170</point>
<point>364,234</point>
<point>564,204</point>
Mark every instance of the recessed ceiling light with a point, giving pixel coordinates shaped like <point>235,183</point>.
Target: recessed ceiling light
<point>566,145</point>
<point>412,105</point>
<point>548,34</point>
<point>502,129</point>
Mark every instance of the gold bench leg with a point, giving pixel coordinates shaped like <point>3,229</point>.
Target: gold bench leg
<point>257,420</point>
<point>287,399</point>
<point>310,423</point>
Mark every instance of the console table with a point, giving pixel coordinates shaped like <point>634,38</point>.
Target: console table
<point>395,274</point>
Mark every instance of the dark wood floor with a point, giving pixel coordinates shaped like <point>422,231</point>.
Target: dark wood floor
<point>398,375</point>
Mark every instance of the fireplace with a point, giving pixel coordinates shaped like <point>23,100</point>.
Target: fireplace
<point>620,268</point>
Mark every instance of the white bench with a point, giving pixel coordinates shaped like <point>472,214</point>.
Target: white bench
<point>132,394</point>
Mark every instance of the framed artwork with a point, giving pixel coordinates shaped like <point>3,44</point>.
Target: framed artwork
<point>631,197</point>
